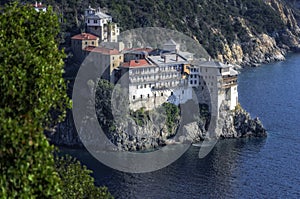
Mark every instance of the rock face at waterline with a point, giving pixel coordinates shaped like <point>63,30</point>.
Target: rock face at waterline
<point>238,123</point>
<point>131,136</point>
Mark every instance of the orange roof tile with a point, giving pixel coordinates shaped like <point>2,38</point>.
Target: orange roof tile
<point>85,36</point>
<point>102,50</point>
<point>136,63</point>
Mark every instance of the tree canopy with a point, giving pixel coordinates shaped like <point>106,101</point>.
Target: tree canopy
<point>31,68</point>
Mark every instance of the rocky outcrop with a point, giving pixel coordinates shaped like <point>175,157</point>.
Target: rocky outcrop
<point>259,49</point>
<point>238,123</point>
<point>129,136</point>
<point>64,134</point>
<point>252,49</point>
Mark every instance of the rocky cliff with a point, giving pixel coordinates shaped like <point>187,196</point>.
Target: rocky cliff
<point>244,32</point>
<point>131,136</point>
<point>252,48</point>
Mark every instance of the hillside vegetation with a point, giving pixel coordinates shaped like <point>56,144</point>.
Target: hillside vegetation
<point>223,27</point>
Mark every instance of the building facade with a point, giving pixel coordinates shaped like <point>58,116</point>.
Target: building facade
<point>108,59</point>
<point>101,25</point>
<point>173,77</point>
<point>80,42</point>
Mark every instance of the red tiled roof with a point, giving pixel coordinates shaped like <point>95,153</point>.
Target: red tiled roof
<point>136,63</point>
<point>38,5</point>
<point>85,36</point>
<point>102,50</point>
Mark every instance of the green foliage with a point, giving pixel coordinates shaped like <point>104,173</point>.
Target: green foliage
<point>140,116</point>
<point>173,116</point>
<point>31,69</point>
<point>76,180</point>
<point>212,21</point>
<point>103,105</point>
<point>170,112</point>
<point>205,115</point>
<point>238,107</point>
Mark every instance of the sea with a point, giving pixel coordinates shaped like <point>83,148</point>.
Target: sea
<point>236,168</point>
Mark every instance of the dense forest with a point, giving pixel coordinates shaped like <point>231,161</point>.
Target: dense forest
<point>210,21</point>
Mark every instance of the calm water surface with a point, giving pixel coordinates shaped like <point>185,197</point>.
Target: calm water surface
<point>243,168</point>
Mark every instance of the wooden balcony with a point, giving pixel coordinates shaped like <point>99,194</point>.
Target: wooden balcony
<point>229,81</point>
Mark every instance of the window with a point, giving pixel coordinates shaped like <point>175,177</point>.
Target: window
<point>212,83</point>
<point>148,95</point>
<point>145,85</point>
<point>191,82</point>
<point>92,42</point>
<point>95,21</point>
<point>171,93</point>
<point>195,81</point>
<point>162,94</point>
<point>141,96</point>
<point>113,58</point>
<point>120,57</point>
<point>88,21</point>
<point>86,43</point>
<point>137,87</point>
<point>133,97</point>
<point>191,76</point>
<point>206,70</point>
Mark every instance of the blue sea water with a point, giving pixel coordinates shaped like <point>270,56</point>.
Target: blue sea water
<point>242,168</point>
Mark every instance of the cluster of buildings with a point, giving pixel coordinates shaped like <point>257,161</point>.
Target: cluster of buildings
<point>154,75</point>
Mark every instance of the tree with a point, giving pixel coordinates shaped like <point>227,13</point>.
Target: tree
<point>33,94</point>
<point>31,87</point>
<point>76,180</point>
